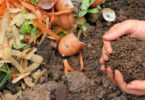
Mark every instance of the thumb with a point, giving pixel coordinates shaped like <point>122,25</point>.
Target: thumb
<point>137,84</point>
<point>120,81</point>
<point>118,30</point>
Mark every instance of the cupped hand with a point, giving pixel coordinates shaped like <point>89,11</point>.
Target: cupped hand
<point>136,87</point>
<point>132,28</point>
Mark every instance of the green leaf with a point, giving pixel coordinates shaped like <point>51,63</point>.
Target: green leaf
<point>29,28</point>
<point>26,27</point>
<point>34,31</point>
<point>4,75</point>
<point>99,7</point>
<point>26,47</point>
<point>24,11</point>
<point>22,46</point>
<point>61,33</point>
<point>84,27</point>
<point>20,94</point>
<point>85,4</point>
<point>94,10</point>
<point>92,1</point>
<point>82,13</point>
<point>34,2</point>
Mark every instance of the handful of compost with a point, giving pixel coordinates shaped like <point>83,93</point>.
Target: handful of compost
<point>134,29</point>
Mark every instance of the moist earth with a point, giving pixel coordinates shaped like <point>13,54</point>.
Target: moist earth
<point>94,85</point>
<point>129,57</point>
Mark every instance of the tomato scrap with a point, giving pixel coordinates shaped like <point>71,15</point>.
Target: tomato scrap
<point>97,3</point>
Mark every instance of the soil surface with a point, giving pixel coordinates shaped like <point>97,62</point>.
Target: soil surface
<point>91,83</point>
<point>129,57</point>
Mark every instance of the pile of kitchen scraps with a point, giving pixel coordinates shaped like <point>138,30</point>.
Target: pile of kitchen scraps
<point>21,23</point>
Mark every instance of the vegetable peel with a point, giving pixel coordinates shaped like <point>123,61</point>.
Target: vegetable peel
<point>67,67</point>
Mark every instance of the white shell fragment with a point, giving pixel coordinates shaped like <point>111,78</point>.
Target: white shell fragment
<point>108,14</point>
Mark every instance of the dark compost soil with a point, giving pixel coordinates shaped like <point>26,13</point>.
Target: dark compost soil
<point>91,84</point>
<point>129,57</point>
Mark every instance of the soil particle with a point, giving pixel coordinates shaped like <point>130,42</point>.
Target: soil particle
<point>13,87</point>
<point>61,93</point>
<point>42,79</point>
<point>91,29</point>
<point>128,57</point>
<point>37,93</point>
<point>77,82</point>
<point>93,18</point>
<point>116,98</point>
<point>50,86</point>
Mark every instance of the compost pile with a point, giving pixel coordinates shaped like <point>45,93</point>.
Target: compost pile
<point>129,57</point>
<point>35,35</point>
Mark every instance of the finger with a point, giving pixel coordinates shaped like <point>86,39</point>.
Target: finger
<point>135,92</point>
<point>123,85</point>
<point>108,47</point>
<point>120,81</point>
<point>104,51</point>
<point>102,68</point>
<point>136,85</point>
<point>118,30</point>
<point>101,60</point>
<point>110,75</point>
<point>104,55</point>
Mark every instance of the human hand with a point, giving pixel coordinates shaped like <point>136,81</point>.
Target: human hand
<point>136,87</point>
<point>135,29</point>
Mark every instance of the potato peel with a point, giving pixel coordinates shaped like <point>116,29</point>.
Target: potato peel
<point>21,76</point>
<point>32,67</point>
<point>17,65</point>
<point>28,81</point>
<point>39,75</point>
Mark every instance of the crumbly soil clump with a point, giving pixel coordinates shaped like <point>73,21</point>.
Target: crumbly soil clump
<point>129,57</point>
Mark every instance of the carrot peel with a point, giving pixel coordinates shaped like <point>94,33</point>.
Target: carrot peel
<point>67,67</point>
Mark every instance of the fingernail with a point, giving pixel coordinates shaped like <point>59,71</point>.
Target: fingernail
<point>106,36</point>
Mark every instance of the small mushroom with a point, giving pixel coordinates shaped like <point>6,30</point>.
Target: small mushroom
<point>70,45</point>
